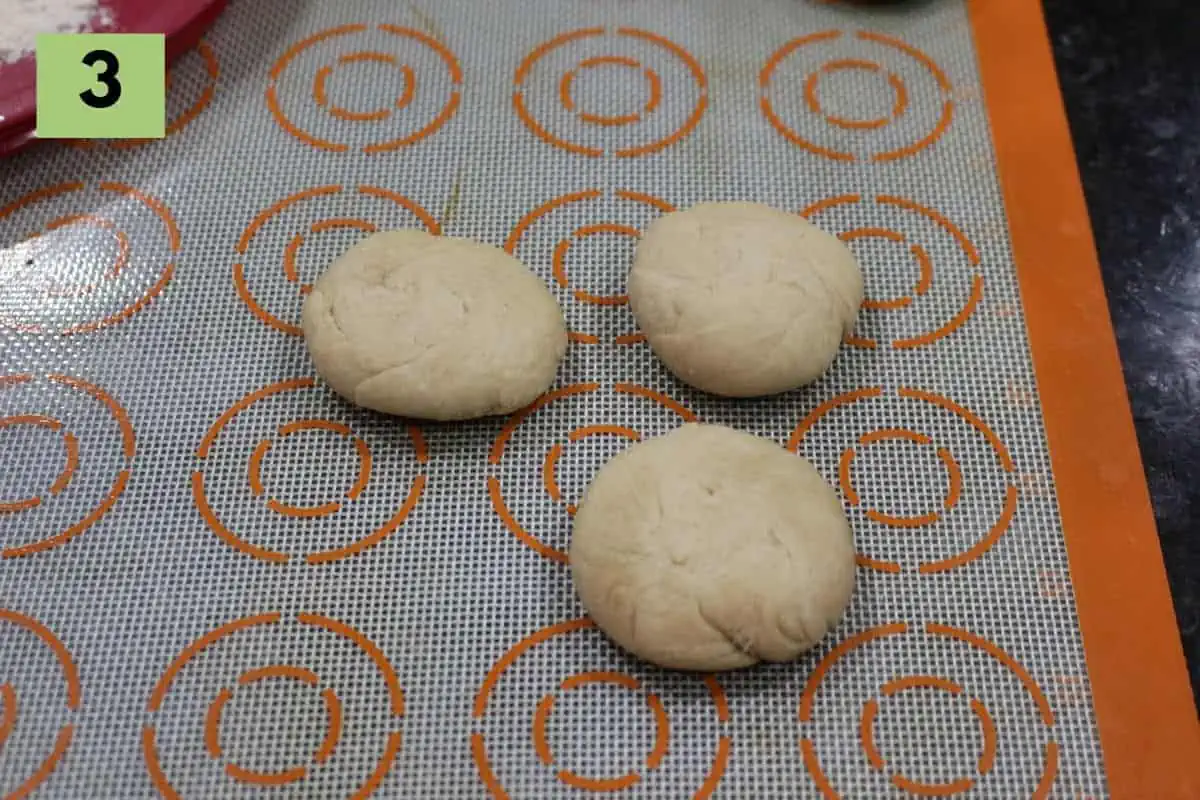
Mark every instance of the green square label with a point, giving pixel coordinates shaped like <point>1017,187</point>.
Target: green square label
<point>101,86</point>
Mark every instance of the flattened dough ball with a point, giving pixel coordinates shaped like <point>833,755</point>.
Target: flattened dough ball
<point>711,549</point>
<point>743,300</point>
<point>433,327</point>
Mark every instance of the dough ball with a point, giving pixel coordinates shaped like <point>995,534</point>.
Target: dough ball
<point>742,300</point>
<point>710,549</point>
<point>433,327</point>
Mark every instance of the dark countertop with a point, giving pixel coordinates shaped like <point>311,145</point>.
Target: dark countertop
<point>1130,74</point>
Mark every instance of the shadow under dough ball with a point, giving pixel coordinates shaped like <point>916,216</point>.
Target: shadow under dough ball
<point>433,327</point>
<point>743,300</point>
<point>711,549</point>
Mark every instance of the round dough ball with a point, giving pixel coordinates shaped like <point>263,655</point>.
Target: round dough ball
<point>711,549</point>
<point>742,300</point>
<point>433,327</point>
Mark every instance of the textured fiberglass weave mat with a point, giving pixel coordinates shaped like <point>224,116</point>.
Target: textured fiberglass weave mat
<point>219,580</point>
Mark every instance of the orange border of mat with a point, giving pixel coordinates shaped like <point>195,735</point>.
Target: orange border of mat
<point>1140,686</point>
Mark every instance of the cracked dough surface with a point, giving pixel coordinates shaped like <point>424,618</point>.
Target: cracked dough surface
<point>712,549</point>
<point>433,327</point>
<point>743,300</point>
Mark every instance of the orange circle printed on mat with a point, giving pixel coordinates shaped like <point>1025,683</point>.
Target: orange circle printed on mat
<point>654,90</point>
<point>624,92</point>
<point>271,647</point>
<point>133,235</point>
<point>924,280</point>
<point>95,443</point>
<point>642,755</point>
<point>565,454</point>
<point>367,88</point>
<point>898,688</point>
<point>36,648</point>
<point>565,238</point>
<point>899,104</point>
<point>929,522</point>
<point>860,96</point>
<point>297,472</point>
<point>198,72</point>
<point>279,777</point>
<point>271,273</point>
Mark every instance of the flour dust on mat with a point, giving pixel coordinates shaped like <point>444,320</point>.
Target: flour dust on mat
<point>25,19</point>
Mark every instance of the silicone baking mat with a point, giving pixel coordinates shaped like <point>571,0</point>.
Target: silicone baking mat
<point>219,580</point>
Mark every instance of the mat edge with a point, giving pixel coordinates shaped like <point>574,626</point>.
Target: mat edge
<point>1150,737</point>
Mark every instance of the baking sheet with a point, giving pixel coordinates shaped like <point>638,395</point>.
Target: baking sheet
<point>234,584</point>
